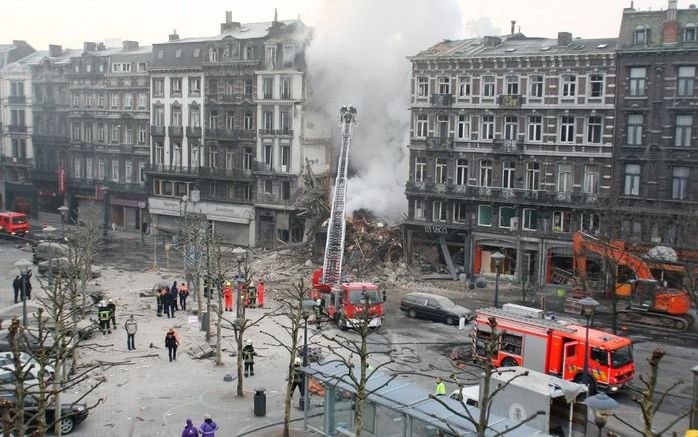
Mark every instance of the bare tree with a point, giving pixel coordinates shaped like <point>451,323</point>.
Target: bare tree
<point>650,401</point>
<point>483,373</point>
<point>292,310</point>
<point>347,350</point>
<point>194,234</point>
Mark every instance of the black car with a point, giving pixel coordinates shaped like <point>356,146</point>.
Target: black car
<point>434,307</point>
<point>71,414</point>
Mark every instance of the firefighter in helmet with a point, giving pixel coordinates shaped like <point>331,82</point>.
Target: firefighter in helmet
<point>248,355</point>
<point>104,315</point>
<point>228,296</point>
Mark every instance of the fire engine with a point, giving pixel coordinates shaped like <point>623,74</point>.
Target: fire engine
<point>554,347</point>
<point>343,302</point>
<point>14,223</point>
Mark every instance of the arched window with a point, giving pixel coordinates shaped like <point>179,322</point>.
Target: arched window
<point>641,35</point>
<point>213,54</point>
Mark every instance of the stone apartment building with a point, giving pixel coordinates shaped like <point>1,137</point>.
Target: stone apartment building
<point>656,152</point>
<point>510,149</point>
<point>109,132</point>
<point>16,153</point>
<point>227,120</point>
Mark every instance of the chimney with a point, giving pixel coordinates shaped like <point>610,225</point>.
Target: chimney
<point>130,45</point>
<point>670,28</point>
<point>229,23</point>
<point>564,38</point>
<point>513,24</point>
<point>55,50</point>
<point>100,47</point>
<point>491,41</point>
<point>173,36</point>
<point>89,46</point>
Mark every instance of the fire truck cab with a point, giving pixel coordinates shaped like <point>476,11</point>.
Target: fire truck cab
<point>344,303</point>
<point>14,223</point>
<point>555,347</point>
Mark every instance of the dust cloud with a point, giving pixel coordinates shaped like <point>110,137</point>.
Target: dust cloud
<point>358,56</point>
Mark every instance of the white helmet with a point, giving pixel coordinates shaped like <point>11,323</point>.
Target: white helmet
<point>102,303</point>
<point>248,341</point>
<point>297,361</point>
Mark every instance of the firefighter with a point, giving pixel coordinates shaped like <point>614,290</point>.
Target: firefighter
<point>104,317</point>
<point>297,378</point>
<point>260,294</point>
<point>228,296</point>
<point>251,295</point>
<point>183,295</point>
<point>160,302</point>
<point>318,311</point>
<point>248,355</point>
<point>112,312</point>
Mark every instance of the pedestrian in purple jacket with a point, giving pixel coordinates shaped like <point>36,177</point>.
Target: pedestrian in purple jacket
<point>209,427</point>
<point>190,430</point>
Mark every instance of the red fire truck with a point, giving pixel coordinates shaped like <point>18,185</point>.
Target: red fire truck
<point>14,223</point>
<point>344,303</point>
<point>554,347</point>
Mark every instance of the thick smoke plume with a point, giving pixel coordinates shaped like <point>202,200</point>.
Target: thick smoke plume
<point>358,56</point>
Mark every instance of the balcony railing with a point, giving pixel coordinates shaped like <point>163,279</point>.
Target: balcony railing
<point>172,169</point>
<point>441,100</point>
<point>14,160</point>
<point>267,132</point>
<point>508,146</point>
<point>16,128</point>
<point>510,100</point>
<point>194,132</point>
<point>157,131</point>
<point>16,99</point>
<point>235,134</point>
<point>50,139</point>
<point>440,142</point>
<point>285,132</point>
<point>232,173</point>
<point>175,131</point>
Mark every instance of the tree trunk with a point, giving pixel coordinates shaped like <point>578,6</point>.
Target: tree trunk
<point>238,339</point>
<point>219,316</point>
<point>295,328</point>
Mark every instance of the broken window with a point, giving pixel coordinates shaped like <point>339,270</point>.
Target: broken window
<point>561,221</point>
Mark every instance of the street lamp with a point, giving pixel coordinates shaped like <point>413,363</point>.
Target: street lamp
<point>694,415</point>
<point>23,266</point>
<point>63,210</point>
<point>603,406</point>
<point>49,230</point>
<point>588,305</point>
<point>308,306</point>
<point>498,257</point>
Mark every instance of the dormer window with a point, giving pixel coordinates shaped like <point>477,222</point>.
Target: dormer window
<point>689,32</point>
<point>640,35</point>
<point>178,53</point>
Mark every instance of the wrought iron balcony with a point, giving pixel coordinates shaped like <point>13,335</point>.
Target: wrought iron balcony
<point>16,128</point>
<point>440,143</point>
<point>441,99</point>
<point>175,131</point>
<point>510,100</point>
<point>194,132</point>
<point>508,146</point>
<point>16,99</point>
<point>157,131</point>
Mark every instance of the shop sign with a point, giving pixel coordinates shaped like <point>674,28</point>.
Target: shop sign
<point>439,230</point>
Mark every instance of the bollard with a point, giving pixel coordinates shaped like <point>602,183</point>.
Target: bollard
<point>260,402</point>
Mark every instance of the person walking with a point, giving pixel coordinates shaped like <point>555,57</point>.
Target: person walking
<point>440,387</point>
<point>174,290</point>
<point>248,355</point>
<point>131,328</point>
<point>173,300</point>
<point>190,430</point>
<point>209,427</point>
<point>104,316</point>
<point>112,312</point>
<point>171,343</point>
<point>297,378</point>
<point>183,295</point>
<point>228,296</point>
<point>260,294</point>
<point>17,287</point>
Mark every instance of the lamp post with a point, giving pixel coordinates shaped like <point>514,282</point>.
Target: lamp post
<point>694,415</point>
<point>602,406</point>
<point>588,307</point>
<point>49,230</point>
<point>308,305</point>
<point>497,257</point>
<point>63,210</point>
<point>23,266</point>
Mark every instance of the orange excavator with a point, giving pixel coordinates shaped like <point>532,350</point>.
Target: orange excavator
<point>649,304</point>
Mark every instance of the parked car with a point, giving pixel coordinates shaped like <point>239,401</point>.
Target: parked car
<point>434,307</point>
<point>59,265</point>
<point>46,250</point>
<point>71,414</point>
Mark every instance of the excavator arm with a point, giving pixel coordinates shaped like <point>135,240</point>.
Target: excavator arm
<point>585,243</point>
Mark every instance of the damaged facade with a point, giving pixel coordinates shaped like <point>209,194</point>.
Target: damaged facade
<point>228,120</point>
<point>510,150</point>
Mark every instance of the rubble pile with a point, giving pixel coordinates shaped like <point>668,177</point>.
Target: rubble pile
<point>371,244</point>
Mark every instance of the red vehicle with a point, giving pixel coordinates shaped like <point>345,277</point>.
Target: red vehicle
<point>14,223</point>
<point>555,348</point>
<point>344,303</point>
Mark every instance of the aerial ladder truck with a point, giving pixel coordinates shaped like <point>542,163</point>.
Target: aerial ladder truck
<point>342,301</point>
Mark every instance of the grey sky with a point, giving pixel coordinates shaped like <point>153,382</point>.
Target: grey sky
<point>70,22</point>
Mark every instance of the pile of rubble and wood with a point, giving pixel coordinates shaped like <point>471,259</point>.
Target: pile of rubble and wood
<point>371,244</point>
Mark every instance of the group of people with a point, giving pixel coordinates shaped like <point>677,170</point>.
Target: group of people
<point>17,286</point>
<point>251,296</point>
<point>207,429</point>
<point>106,311</point>
<point>168,297</point>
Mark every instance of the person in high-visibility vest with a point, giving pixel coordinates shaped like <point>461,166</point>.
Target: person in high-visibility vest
<point>260,294</point>
<point>228,296</point>
<point>248,354</point>
<point>440,387</point>
<point>297,378</point>
<point>104,315</point>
